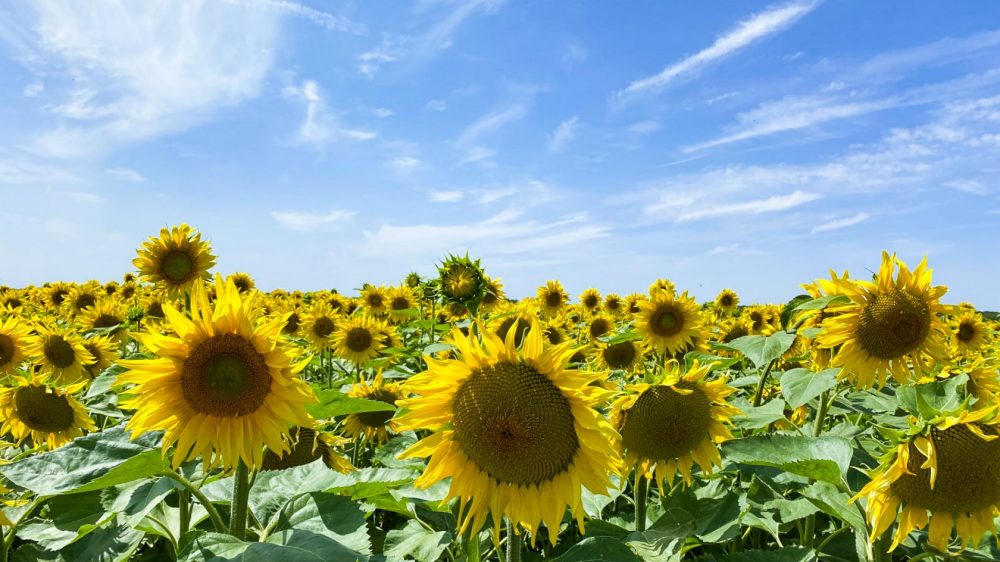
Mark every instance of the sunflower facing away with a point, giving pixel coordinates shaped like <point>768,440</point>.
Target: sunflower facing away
<point>358,340</point>
<point>373,426</point>
<point>887,325</point>
<point>223,388</point>
<point>48,415</point>
<point>175,259</point>
<point>60,352</point>
<point>669,426</point>
<point>946,475</point>
<point>669,323</point>
<point>516,431</point>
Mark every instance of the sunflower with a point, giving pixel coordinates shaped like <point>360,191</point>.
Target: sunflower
<point>175,260</point>
<point>244,283</point>
<point>318,326</point>
<point>632,302</point>
<point>519,322</point>
<point>223,388</point>
<point>56,293</point>
<point>13,340</point>
<point>625,356</point>
<point>107,313</point>
<point>79,299</point>
<point>462,280</point>
<point>664,287</point>
<point>969,333</point>
<point>552,298</point>
<point>886,325</point>
<point>599,325</point>
<point>946,474</point>
<point>494,294</point>
<point>375,299</point>
<point>590,300</point>
<point>373,426</point>
<point>614,305</point>
<point>60,352</point>
<point>669,426</point>
<point>307,446</point>
<point>46,414</point>
<point>669,323</point>
<point>102,350</point>
<point>515,431</point>
<point>127,291</point>
<point>727,301</point>
<point>401,301</point>
<point>358,340</point>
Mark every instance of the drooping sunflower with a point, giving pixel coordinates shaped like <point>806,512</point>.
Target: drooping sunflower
<point>632,302</point>
<point>13,342</point>
<point>308,445</point>
<point>969,333</point>
<point>887,325</point>
<point>516,431</point>
<point>669,323</point>
<point>358,340</point>
<point>590,300</point>
<point>945,474</point>
<point>47,414</point>
<point>319,326</point>
<point>175,260</point>
<point>374,426</point>
<point>552,297</point>
<point>668,426</point>
<point>375,299</point>
<point>727,301</point>
<point>60,352</point>
<point>223,388</point>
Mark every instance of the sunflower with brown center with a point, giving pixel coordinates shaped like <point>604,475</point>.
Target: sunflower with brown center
<point>515,430</point>
<point>494,294</point>
<point>946,475</point>
<point>375,299</point>
<point>49,415</point>
<point>80,298</point>
<point>107,313</point>
<point>175,260</point>
<point>669,324</point>
<point>222,388</point>
<point>552,298</point>
<point>308,445</point>
<point>614,305</point>
<point>60,352</point>
<point>599,325</point>
<point>727,301</point>
<point>669,426</point>
<point>402,303</point>
<point>373,426</point>
<point>622,356</point>
<point>102,350</point>
<point>888,325</point>
<point>13,343</point>
<point>244,283</point>
<point>590,300</point>
<point>358,340</point>
<point>55,294</point>
<point>969,334</point>
<point>319,326</point>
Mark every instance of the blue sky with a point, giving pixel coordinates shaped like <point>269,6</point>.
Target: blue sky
<point>747,145</point>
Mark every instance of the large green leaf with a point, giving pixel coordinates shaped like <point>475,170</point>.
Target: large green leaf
<point>92,462</point>
<point>822,458</point>
<point>761,416</point>
<point>599,549</point>
<point>761,350</point>
<point>333,403</point>
<point>335,517</point>
<point>133,501</point>
<point>933,399</point>
<point>799,386</point>
<point>786,554</point>
<point>295,546</point>
<point>108,544</point>
<point>416,541</point>
<point>64,520</point>
<point>836,503</point>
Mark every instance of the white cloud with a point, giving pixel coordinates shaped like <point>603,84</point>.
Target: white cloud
<point>146,72</point>
<point>389,50</point>
<point>80,197</point>
<point>721,97</point>
<point>644,127</point>
<point>304,221</point>
<point>747,32</point>
<point>445,196</point>
<point>574,53</point>
<point>329,21</point>
<point>21,171</point>
<point>837,224</point>
<point>405,164</point>
<point>33,89</point>
<point>383,112</point>
<point>436,105</point>
<point>319,126</point>
<point>126,174</point>
<point>480,155</point>
<point>490,123</point>
<point>943,52</point>
<point>563,134</point>
<point>972,187</point>
<point>754,207</point>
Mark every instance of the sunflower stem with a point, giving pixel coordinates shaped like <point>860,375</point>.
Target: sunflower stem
<point>824,406</point>
<point>213,513</point>
<point>641,495</point>
<point>513,543</point>
<point>759,395</point>
<point>184,506</point>
<point>241,495</point>
<point>8,539</point>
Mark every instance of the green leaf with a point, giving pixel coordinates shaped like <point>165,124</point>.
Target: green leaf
<point>92,462</point>
<point>599,549</point>
<point>66,519</point>
<point>933,399</point>
<point>335,517</point>
<point>708,359</point>
<point>333,403</point>
<point>111,544</point>
<point>135,500</point>
<point>786,554</point>
<point>822,458</point>
<point>436,347</point>
<point>417,542</point>
<point>799,386</point>
<point>761,350</point>
<point>298,546</point>
<point>664,539</point>
<point>822,302</point>
<point>761,416</point>
<point>626,335</point>
<point>836,503</point>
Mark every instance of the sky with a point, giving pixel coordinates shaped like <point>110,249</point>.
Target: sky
<point>748,145</point>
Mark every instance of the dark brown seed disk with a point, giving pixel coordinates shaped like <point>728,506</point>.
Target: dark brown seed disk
<point>225,376</point>
<point>893,324</point>
<point>41,410</point>
<point>664,424</point>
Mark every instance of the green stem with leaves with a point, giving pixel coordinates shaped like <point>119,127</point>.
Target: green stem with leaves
<point>759,395</point>
<point>213,513</point>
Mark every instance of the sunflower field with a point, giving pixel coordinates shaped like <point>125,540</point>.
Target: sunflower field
<point>183,415</point>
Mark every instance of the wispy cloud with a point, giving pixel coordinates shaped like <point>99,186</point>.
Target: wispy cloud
<point>644,127</point>
<point>445,196</point>
<point>838,224</point>
<point>405,164</point>
<point>970,186</point>
<point>563,134</point>
<point>755,207</point>
<point>80,197</point>
<point>319,126</point>
<point>490,123</point>
<point>436,105</point>
<point>126,174</point>
<point>304,221</point>
<point>389,50</point>
<point>24,171</point>
<point>329,21</point>
<point>753,29</point>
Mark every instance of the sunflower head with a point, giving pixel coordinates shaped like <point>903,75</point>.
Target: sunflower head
<point>13,340</point>
<point>402,300</point>
<point>358,339</point>
<point>222,388</point>
<point>308,445</point>
<point>552,297</point>
<point>625,356</point>
<point>969,333</point>
<point>47,414</point>
<point>662,287</point>
<point>375,299</point>
<point>60,352</point>
<point>107,314</point>
<point>727,301</point>
<point>319,326</point>
<point>175,260</point>
<point>462,280</point>
<point>494,294</point>
<point>515,430</point>
<point>590,300</point>
<point>81,298</point>
<point>373,426</point>
<point>244,283</point>
<point>668,323</point>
